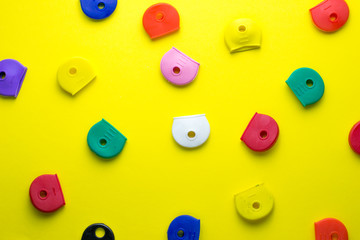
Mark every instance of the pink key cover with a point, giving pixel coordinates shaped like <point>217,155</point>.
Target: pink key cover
<point>178,68</point>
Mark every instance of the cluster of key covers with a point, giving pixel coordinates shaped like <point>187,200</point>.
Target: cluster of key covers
<point>262,132</point>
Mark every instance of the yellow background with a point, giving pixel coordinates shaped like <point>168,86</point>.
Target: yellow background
<point>311,170</point>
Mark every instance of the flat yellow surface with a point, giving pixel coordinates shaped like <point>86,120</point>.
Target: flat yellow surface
<point>311,171</point>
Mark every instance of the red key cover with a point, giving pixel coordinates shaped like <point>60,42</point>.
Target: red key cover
<point>261,133</point>
<point>161,19</point>
<point>330,15</point>
<point>46,194</point>
<point>354,138</point>
<point>330,228</point>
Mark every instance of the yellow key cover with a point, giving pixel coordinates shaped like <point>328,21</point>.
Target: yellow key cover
<point>75,74</point>
<point>254,203</point>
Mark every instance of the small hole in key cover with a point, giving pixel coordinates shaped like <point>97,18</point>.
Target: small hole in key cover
<point>100,232</point>
<point>2,75</point>
<point>256,205</point>
<point>176,70</point>
<point>101,5</point>
<point>103,142</point>
<point>242,28</point>
<point>309,83</point>
<point>191,134</point>
<point>333,17</point>
<point>72,71</point>
<point>180,233</point>
<point>43,194</point>
<point>334,236</point>
<point>263,134</point>
<point>159,16</point>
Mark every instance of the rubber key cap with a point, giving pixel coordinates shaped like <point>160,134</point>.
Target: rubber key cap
<point>98,9</point>
<point>105,140</point>
<point>330,229</point>
<point>255,203</point>
<point>90,232</point>
<point>330,15</point>
<point>191,131</point>
<point>354,138</point>
<point>12,74</point>
<point>307,85</point>
<point>46,194</point>
<point>242,35</point>
<point>261,133</point>
<point>75,74</point>
<point>178,68</point>
<point>184,227</point>
<point>161,19</point>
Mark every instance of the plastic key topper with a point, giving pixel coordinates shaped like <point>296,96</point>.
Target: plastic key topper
<point>307,85</point>
<point>46,194</point>
<point>178,68</point>
<point>98,9</point>
<point>354,138</point>
<point>184,227</point>
<point>330,229</point>
<point>242,34</point>
<point>330,15</point>
<point>90,232</point>
<point>75,74</point>
<point>191,131</point>
<point>254,203</point>
<point>105,140</point>
<point>12,74</point>
<point>161,19</point>
<point>261,133</point>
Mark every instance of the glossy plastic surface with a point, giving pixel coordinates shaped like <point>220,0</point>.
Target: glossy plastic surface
<point>98,9</point>
<point>46,194</point>
<point>307,85</point>
<point>161,19</point>
<point>261,133</point>
<point>330,15</point>
<point>12,74</point>
<point>75,74</point>
<point>242,35</point>
<point>178,68</point>
<point>330,229</point>
<point>254,203</point>
<point>184,227</point>
<point>105,140</point>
